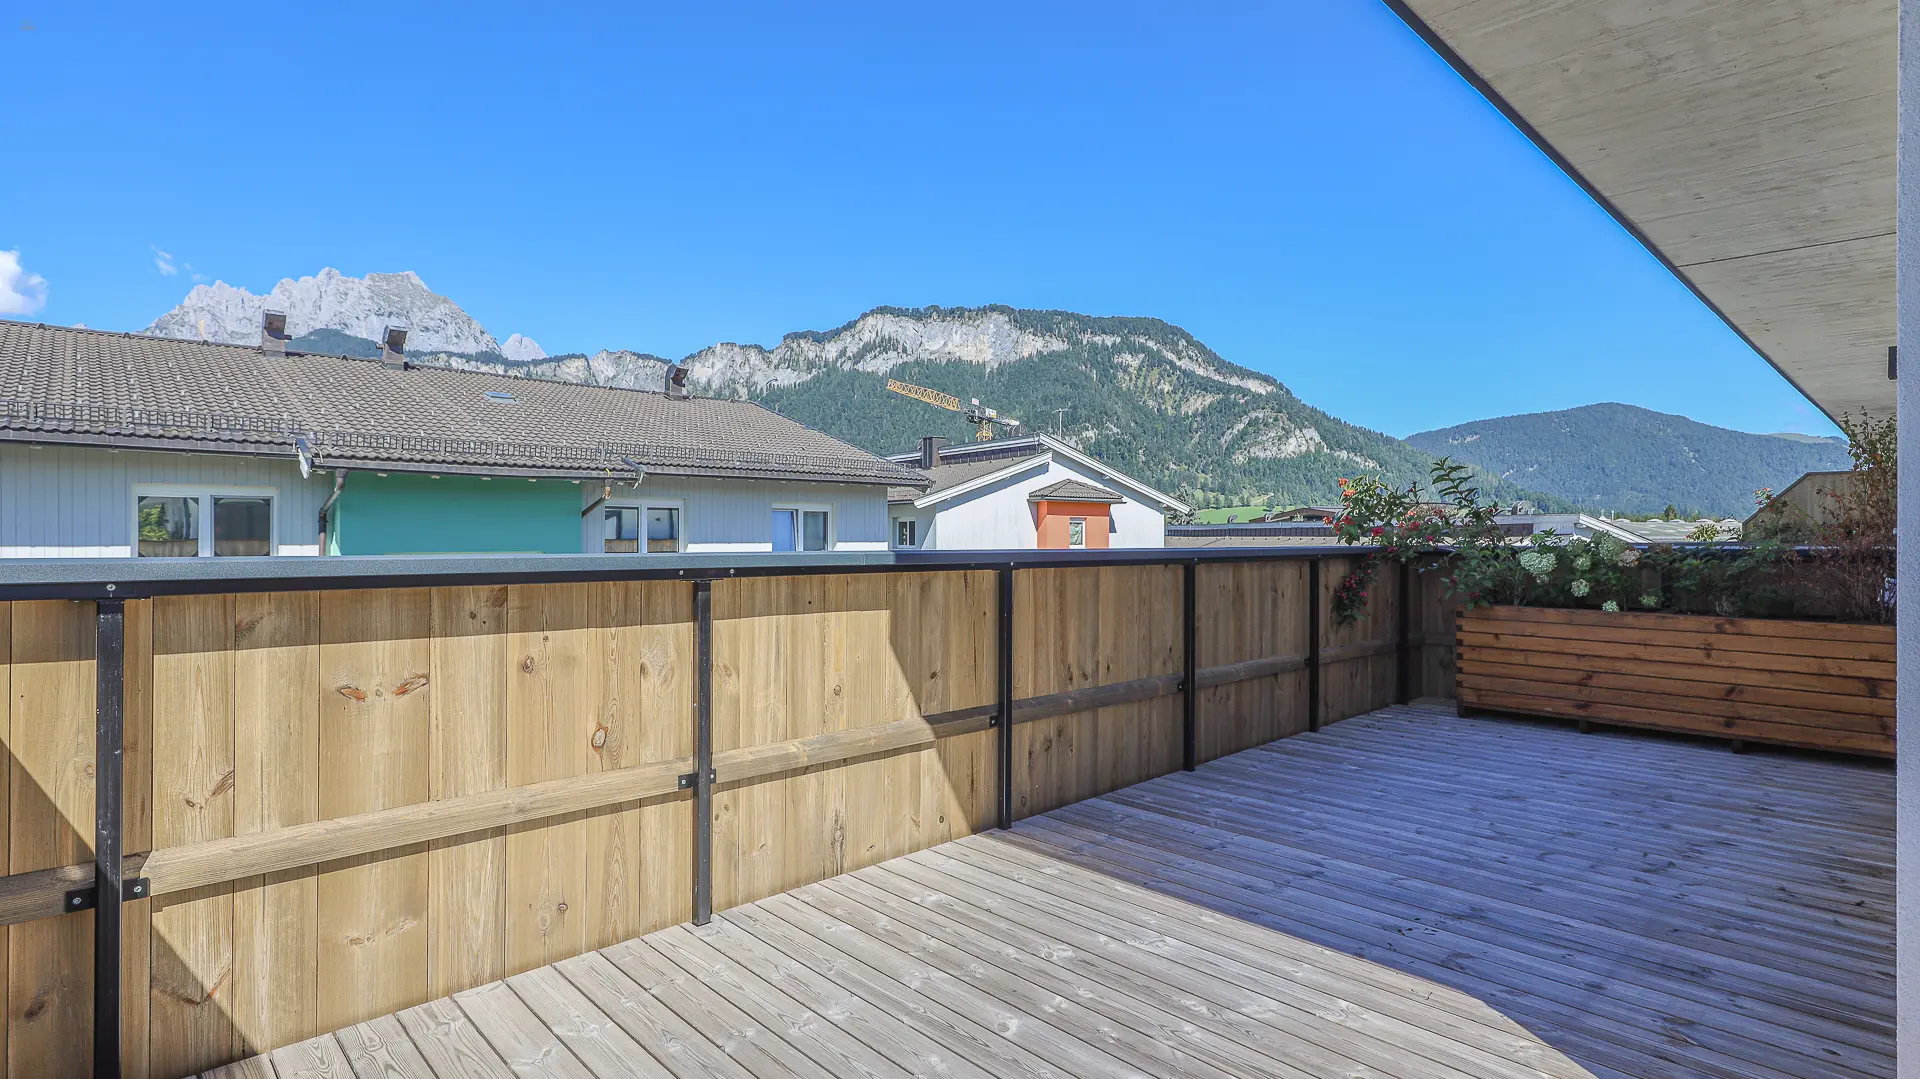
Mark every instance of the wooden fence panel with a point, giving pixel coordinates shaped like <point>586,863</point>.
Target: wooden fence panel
<point>1435,614</point>
<point>276,739</point>
<point>50,979</point>
<point>1359,660</point>
<point>1249,611</point>
<point>1081,627</point>
<point>466,900</point>
<point>193,932</point>
<point>796,657</point>
<point>375,753</point>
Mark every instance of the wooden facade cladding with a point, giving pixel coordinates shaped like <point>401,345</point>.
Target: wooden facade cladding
<point>1816,685</point>
<point>350,802</point>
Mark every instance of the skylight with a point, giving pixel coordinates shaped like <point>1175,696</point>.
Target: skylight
<point>502,395</point>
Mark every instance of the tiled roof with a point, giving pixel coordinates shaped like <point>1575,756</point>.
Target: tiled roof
<point>1074,491</point>
<point>76,385</point>
<point>945,476</point>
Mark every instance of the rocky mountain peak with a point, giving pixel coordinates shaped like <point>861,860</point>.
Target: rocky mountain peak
<point>331,300</point>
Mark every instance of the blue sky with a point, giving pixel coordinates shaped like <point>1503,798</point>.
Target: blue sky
<point>1303,186</point>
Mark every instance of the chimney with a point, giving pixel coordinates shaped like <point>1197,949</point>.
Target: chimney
<point>930,450</point>
<point>393,347</point>
<point>273,333</point>
<point>676,386</point>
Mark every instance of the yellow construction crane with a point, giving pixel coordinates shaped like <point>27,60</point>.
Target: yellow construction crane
<point>976,414</point>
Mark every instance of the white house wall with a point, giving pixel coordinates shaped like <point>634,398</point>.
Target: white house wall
<point>77,501</point>
<point>722,515</point>
<point>1000,517</point>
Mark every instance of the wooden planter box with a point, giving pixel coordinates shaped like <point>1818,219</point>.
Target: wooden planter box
<point>1818,685</point>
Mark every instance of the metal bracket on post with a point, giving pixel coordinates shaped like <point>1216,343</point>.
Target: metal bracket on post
<point>1313,645</point>
<point>1004,720</point>
<point>702,776</point>
<point>79,899</point>
<point>109,890</point>
<point>687,778</point>
<point>1189,678</point>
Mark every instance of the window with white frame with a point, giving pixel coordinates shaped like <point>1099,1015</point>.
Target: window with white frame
<point>906,532</point>
<point>1076,531</point>
<point>219,522</point>
<point>656,525</point>
<point>802,528</point>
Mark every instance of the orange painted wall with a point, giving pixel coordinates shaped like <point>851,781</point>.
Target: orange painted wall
<point>1053,523</point>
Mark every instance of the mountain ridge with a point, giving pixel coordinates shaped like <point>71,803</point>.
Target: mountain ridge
<point>1620,457</point>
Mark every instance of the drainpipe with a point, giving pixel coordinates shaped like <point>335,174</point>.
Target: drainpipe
<point>339,481</point>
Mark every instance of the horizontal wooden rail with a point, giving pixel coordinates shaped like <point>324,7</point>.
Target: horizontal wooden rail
<point>28,896</point>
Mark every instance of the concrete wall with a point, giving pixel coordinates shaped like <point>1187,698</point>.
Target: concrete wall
<point>999,517</point>
<point>77,501</point>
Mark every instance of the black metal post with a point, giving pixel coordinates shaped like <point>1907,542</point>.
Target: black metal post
<point>1190,679</point>
<point>1004,718</point>
<point>1403,649</point>
<point>703,753</point>
<point>109,750</point>
<point>1313,645</point>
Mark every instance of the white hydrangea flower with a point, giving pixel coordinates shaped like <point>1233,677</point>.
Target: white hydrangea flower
<point>1651,599</point>
<point>1610,606</point>
<point>1537,562</point>
<point>1629,557</point>
<point>1580,588</point>
<point>1583,563</point>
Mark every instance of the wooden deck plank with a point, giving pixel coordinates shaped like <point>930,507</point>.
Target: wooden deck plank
<point>1491,920</point>
<point>452,1047</point>
<point>826,1045</point>
<point>899,1042</point>
<point>1037,1033</point>
<point>315,1058</point>
<point>528,1046</point>
<point>381,1049</point>
<point>1000,1056</point>
<point>761,1052</point>
<point>1157,1039</point>
<point>1407,893</point>
<point>1522,976</point>
<point>671,1040</point>
<point>606,1050</point>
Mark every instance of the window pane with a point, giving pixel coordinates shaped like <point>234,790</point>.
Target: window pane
<point>904,532</point>
<point>169,527</point>
<point>783,530</point>
<point>622,534</point>
<point>242,526</point>
<point>816,525</point>
<point>663,529</point>
<point>1076,531</point>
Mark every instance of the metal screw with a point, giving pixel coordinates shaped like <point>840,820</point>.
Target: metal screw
<point>110,587</point>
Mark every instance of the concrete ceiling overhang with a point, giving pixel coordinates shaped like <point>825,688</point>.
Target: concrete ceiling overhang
<point>1749,144</point>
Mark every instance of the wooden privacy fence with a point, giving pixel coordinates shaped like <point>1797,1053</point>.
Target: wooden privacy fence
<point>340,802</point>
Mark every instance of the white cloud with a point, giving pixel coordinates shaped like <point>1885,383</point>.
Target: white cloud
<point>164,263</point>
<point>21,293</point>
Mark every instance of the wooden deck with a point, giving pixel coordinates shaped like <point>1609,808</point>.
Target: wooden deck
<point>1404,894</point>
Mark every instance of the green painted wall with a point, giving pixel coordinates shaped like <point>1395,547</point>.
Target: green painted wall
<point>404,513</point>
